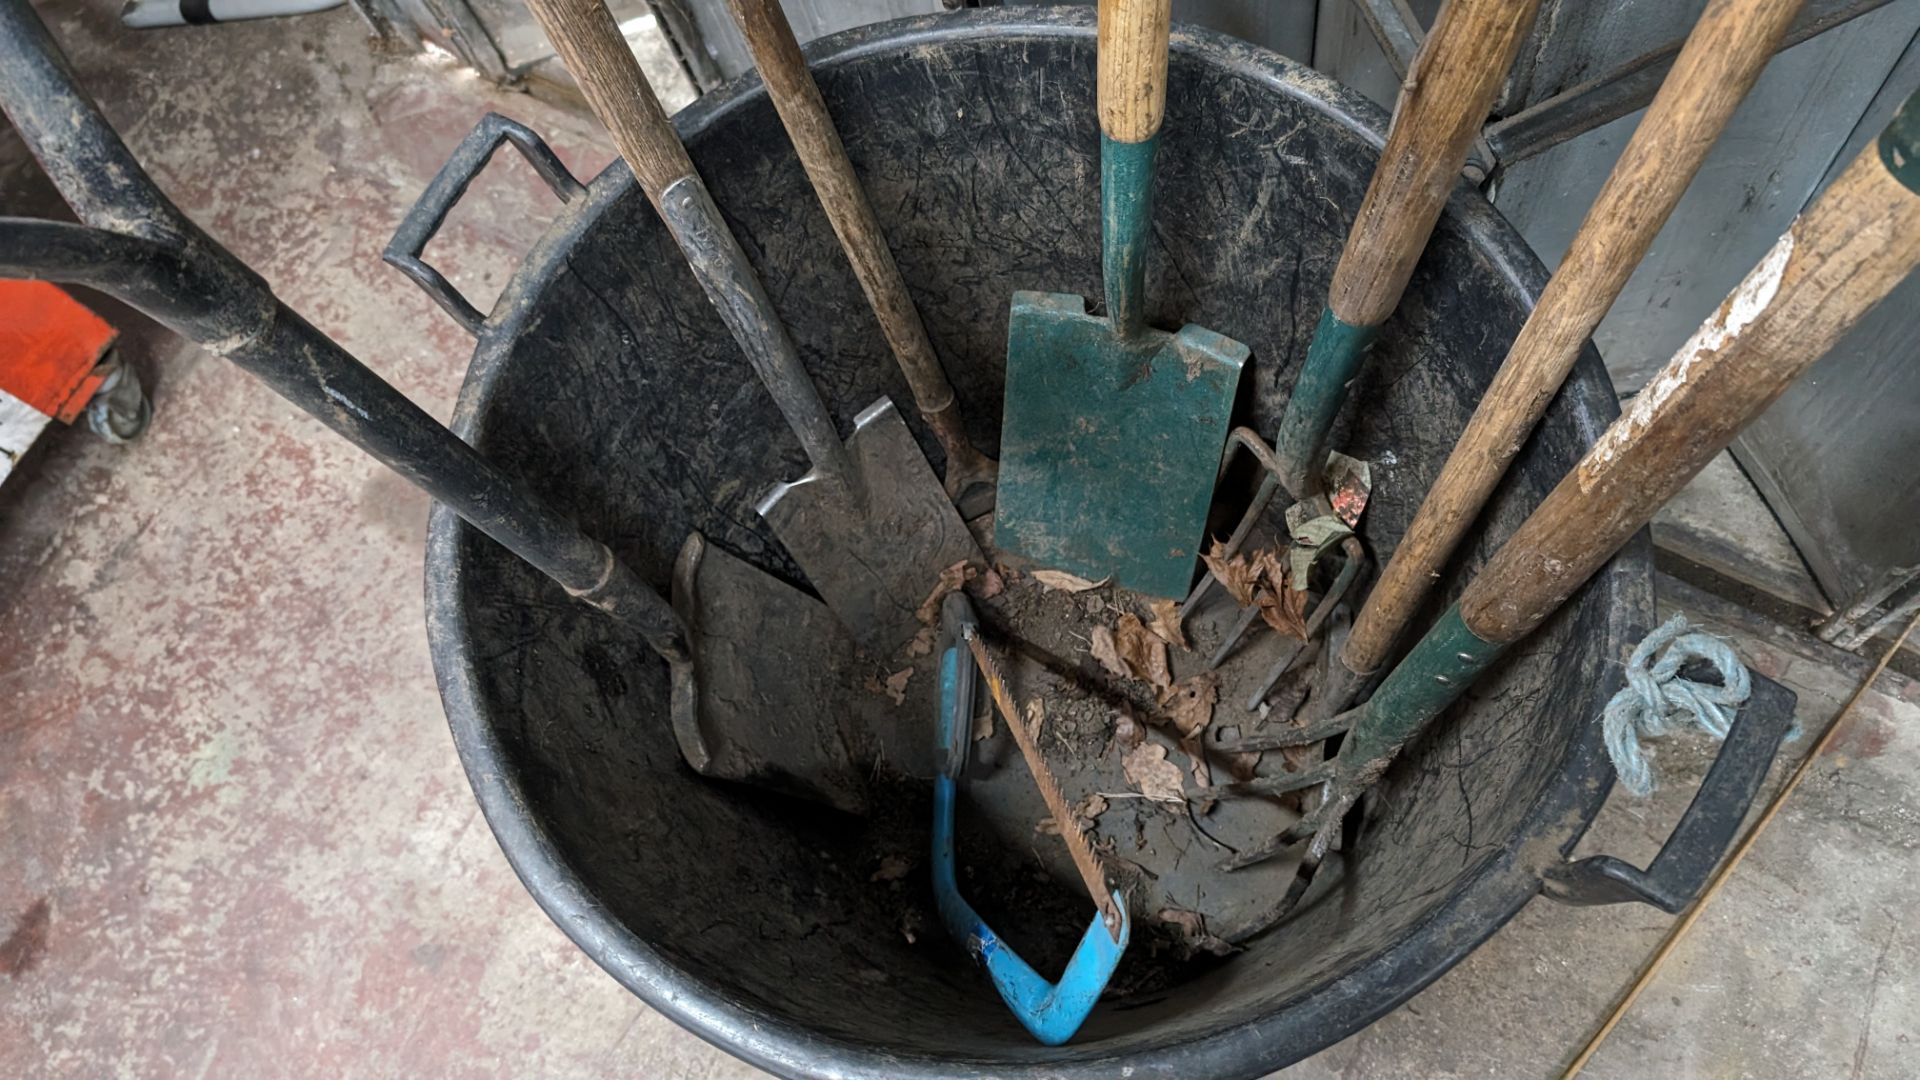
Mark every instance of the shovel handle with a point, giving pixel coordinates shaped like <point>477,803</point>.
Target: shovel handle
<point>1443,102</point>
<point>1132,79</point>
<point>1722,58</point>
<point>589,42</point>
<point>776,53</point>
<point>597,56</point>
<point>1842,256</point>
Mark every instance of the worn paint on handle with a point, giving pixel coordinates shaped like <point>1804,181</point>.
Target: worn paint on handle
<point>1126,223</point>
<point>1333,361</point>
<point>1433,676</point>
<point>1899,144</point>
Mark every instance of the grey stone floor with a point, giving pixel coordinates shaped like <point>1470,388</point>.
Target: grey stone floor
<point>234,838</point>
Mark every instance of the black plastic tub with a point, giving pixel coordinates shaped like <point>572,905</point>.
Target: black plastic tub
<point>605,379</point>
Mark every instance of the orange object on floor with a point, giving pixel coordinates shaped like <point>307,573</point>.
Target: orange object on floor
<point>50,345</point>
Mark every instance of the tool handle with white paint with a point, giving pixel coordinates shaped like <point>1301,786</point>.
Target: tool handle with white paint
<point>1843,255</point>
<point>1722,58</point>
<point>589,42</point>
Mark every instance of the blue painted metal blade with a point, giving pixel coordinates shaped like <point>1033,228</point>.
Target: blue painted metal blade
<point>1051,1012</point>
<point>1109,447</point>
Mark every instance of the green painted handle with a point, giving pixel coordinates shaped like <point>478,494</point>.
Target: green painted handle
<point>1433,676</point>
<point>1900,144</point>
<point>1333,362</point>
<point>1126,221</point>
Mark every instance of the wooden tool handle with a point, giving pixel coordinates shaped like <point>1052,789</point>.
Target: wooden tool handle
<point>597,56</point>
<point>1442,105</point>
<point>776,52</point>
<point>1843,255</point>
<point>1718,65</point>
<point>1133,68</point>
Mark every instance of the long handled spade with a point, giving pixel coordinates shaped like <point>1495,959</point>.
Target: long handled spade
<point>1111,431</point>
<point>776,52</point>
<point>1839,259</point>
<point>1722,58</point>
<point>869,523</point>
<point>1444,101</point>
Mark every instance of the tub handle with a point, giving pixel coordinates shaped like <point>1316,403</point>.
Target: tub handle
<point>1705,831</point>
<point>416,230</point>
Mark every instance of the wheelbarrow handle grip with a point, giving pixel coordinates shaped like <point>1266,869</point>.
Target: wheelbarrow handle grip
<point>1722,58</point>
<point>1132,79</point>
<point>1705,831</point>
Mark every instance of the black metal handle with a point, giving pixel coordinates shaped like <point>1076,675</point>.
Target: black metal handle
<point>1708,827</point>
<point>137,246</point>
<point>416,230</point>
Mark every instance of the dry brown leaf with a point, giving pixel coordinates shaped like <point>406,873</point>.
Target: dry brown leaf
<point>892,868</point>
<point>1036,718</point>
<point>1192,927</point>
<point>1144,653</point>
<point>1285,610</point>
<point>923,641</point>
<point>1166,623</point>
<point>897,685</point>
<point>1238,575</point>
<point>1126,730</point>
<point>1152,775</point>
<point>1190,703</point>
<point>951,578</point>
<point>992,585</point>
<point>1101,647</point>
<point>1243,766</point>
<point>1061,581</point>
<point>1086,814</point>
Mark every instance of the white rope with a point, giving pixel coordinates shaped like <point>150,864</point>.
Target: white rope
<point>1656,701</point>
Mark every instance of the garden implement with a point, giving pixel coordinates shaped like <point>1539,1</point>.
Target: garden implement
<point>776,53</point>
<point>1112,430</point>
<point>1052,1012</point>
<point>869,523</point>
<point>1842,256</point>
<point>1719,63</point>
<point>1443,102</point>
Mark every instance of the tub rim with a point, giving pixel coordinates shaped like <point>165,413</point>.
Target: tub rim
<point>1305,1024</point>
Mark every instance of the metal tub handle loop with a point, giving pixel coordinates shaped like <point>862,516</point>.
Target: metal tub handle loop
<point>404,252</point>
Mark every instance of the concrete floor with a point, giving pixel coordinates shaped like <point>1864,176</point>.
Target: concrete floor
<point>234,838</point>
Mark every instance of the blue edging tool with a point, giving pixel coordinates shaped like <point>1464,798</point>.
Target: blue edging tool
<point>1052,1012</point>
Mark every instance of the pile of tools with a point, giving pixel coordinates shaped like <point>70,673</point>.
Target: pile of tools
<point>1115,438</point>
